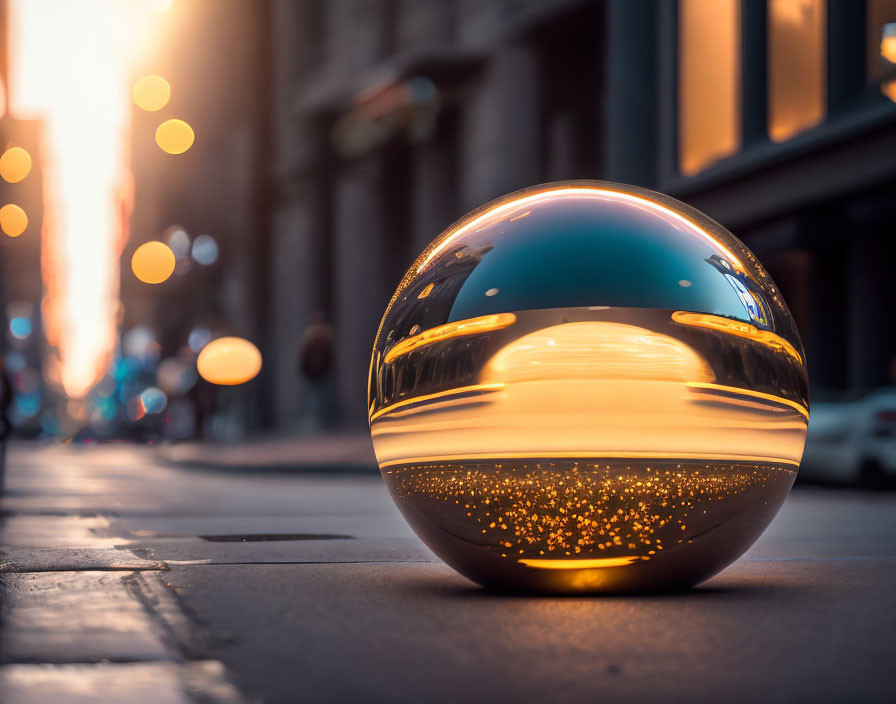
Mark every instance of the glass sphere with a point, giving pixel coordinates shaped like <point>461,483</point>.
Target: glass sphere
<point>588,387</point>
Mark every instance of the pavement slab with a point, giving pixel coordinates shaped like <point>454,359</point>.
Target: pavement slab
<point>125,683</point>
<point>76,616</point>
<point>68,559</point>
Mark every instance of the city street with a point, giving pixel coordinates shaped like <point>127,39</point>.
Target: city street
<point>128,577</point>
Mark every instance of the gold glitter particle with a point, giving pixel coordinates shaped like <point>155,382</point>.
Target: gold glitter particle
<point>580,510</point>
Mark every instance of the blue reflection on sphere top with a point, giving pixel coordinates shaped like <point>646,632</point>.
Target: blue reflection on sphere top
<point>585,243</point>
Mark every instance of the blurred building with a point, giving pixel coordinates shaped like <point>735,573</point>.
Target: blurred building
<point>336,138</point>
<point>208,204</point>
<point>394,118</point>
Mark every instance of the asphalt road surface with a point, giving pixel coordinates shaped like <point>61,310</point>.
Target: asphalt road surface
<point>128,579</point>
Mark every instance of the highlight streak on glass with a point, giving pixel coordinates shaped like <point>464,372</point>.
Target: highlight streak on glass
<point>739,328</point>
<point>580,564</point>
<point>463,391</point>
<point>585,455</point>
<point>474,326</point>
<point>502,209</point>
<point>799,408</point>
<point>69,68</point>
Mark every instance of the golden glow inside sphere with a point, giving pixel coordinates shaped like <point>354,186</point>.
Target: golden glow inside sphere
<point>15,164</point>
<point>229,361</point>
<point>588,387</point>
<point>153,262</point>
<point>174,136</point>
<point>13,220</point>
<point>151,93</point>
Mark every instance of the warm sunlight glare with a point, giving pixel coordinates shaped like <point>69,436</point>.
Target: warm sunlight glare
<point>69,67</point>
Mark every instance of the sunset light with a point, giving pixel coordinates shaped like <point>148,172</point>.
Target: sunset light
<point>69,67</point>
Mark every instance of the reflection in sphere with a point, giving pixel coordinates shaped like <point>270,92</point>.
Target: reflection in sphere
<point>588,387</point>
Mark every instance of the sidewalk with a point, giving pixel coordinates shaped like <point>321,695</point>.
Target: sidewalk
<point>128,580</point>
<point>337,452</point>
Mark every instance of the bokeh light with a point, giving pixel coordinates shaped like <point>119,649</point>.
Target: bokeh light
<point>15,164</point>
<point>175,376</point>
<point>153,400</point>
<point>205,250</point>
<point>20,328</point>
<point>199,338</point>
<point>153,262</point>
<point>229,361</point>
<point>888,88</point>
<point>13,220</point>
<point>174,136</point>
<point>888,42</point>
<point>151,93</point>
<point>178,239</point>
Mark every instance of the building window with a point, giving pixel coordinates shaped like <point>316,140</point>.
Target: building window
<point>879,13</point>
<point>796,66</point>
<point>708,82</point>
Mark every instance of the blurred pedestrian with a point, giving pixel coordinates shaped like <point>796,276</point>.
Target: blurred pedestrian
<point>315,361</point>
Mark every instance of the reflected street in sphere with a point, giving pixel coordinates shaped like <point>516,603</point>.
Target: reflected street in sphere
<point>588,387</point>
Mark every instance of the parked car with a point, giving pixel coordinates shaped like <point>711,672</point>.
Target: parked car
<point>853,441</point>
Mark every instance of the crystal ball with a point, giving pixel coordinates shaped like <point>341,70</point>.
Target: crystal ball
<point>588,387</point>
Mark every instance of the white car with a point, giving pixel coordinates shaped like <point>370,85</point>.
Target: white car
<point>854,441</point>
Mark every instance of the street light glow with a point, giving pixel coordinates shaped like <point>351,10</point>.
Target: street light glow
<point>151,93</point>
<point>229,361</point>
<point>174,136</point>
<point>13,220</point>
<point>153,262</point>
<point>15,164</point>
